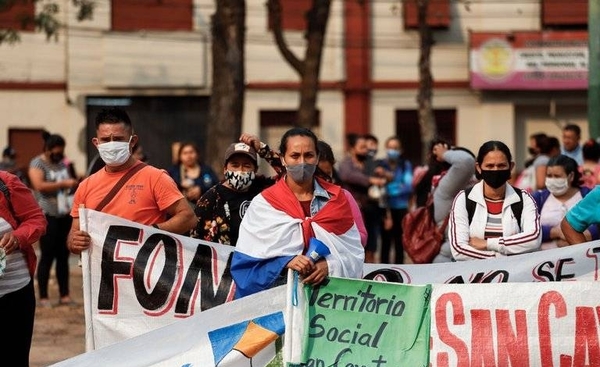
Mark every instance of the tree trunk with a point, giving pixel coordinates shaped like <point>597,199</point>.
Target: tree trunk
<point>309,68</point>
<point>424,97</point>
<point>315,36</point>
<point>228,79</point>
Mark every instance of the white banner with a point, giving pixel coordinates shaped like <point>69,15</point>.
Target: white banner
<point>578,262</point>
<point>516,324</point>
<point>492,325</point>
<point>138,278</point>
<point>190,342</point>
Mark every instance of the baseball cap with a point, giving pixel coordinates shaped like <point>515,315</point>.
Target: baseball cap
<point>240,148</point>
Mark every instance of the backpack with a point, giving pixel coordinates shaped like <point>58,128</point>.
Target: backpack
<point>421,237</point>
<point>517,208</point>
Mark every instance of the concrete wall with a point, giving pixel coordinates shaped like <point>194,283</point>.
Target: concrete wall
<point>89,59</point>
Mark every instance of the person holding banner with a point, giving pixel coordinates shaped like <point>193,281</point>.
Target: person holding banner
<point>493,230</point>
<point>562,192</point>
<point>22,223</point>
<point>281,221</point>
<point>126,187</point>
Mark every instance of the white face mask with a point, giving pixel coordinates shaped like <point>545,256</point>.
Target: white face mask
<point>557,186</point>
<point>115,153</point>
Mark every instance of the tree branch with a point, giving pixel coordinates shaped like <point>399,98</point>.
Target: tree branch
<point>274,7</point>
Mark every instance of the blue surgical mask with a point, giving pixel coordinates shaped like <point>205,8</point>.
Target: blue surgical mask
<point>393,154</point>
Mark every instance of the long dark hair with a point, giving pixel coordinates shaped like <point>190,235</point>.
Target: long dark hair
<point>184,145</point>
<point>52,140</point>
<point>490,146</point>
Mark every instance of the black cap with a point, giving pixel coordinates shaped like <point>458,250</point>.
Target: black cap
<point>240,148</point>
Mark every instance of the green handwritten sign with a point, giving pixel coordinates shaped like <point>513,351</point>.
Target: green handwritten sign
<point>358,323</point>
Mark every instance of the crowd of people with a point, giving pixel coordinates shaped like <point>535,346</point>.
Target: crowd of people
<point>347,212</point>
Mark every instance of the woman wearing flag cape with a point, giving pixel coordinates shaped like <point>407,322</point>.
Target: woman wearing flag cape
<point>280,222</point>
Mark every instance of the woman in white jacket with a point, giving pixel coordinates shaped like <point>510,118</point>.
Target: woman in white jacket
<point>494,229</point>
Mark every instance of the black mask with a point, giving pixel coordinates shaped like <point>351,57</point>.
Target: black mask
<point>362,157</point>
<point>56,157</point>
<point>495,178</point>
<point>531,151</point>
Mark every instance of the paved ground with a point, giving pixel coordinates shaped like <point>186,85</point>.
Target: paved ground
<point>59,332</point>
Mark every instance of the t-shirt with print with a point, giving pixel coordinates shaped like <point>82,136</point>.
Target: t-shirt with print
<point>142,199</point>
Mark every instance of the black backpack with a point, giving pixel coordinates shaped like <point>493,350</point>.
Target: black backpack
<point>517,208</point>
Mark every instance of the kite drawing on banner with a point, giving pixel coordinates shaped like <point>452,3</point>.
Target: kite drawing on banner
<point>252,343</point>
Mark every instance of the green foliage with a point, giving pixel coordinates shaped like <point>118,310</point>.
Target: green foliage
<point>9,36</point>
<point>45,20</point>
<point>86,9</point>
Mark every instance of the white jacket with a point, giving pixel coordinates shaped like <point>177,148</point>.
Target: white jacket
<point>516,239</point>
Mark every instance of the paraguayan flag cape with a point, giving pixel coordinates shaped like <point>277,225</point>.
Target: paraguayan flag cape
<point>274,230</point>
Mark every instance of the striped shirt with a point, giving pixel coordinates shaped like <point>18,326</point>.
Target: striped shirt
<point>52,173</point>
<point>493,227</point>
<point>16,275</point>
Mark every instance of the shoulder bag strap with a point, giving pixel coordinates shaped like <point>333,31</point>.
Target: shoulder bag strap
<point>118,185</point>
<point>6,193</point>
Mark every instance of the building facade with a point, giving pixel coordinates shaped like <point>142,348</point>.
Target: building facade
<point>501,71</point>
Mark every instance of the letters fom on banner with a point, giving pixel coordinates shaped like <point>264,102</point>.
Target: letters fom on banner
<point>141,278</point>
